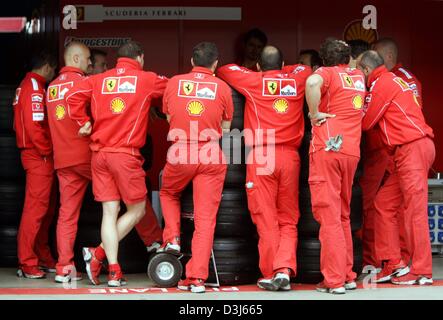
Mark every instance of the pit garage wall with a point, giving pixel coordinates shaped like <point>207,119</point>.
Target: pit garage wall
<point>291,25</point>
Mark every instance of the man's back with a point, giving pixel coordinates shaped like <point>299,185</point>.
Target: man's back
<point>274,101</point>
<point>197,98</point>
<point>69,148</point>
<point>343,95</point>
<point>120,101</point>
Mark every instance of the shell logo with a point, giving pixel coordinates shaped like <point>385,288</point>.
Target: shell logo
<point>357,101</point>
<point>60,112</point>
<point>117,105</point>
<point>355,31</point>
<point>195,108</point>
<point>281,105</point>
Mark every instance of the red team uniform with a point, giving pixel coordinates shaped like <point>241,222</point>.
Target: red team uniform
<point>34,142</point>
<point>331,170</point>
<point>274,127</point>
<point>197,103</point>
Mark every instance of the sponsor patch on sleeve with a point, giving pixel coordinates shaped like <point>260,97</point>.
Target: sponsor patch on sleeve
<point>17,96</point>
<point>37,97</point>
<point>37,107</point>
<point>38,116</point>
<point>402,83</point>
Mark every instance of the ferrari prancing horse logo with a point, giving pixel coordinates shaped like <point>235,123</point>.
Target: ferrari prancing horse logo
<point>272,87</point>
<point>110,84</point>
<point>188,87</point>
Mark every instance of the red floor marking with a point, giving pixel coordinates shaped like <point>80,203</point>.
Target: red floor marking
<point>154,290</point>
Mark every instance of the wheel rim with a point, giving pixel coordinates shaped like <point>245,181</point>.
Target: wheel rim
<point>165,271</point>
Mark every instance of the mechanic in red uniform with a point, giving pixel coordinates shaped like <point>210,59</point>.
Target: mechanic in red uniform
<point>198,107</point>
<point>148,228</point>
<point>72,157</point>
<point>392,106</point>
<point>34,142</point>
<point>274,127</point>
<point>388,50</point>
<point>335,94</point>
<point>120,100</point>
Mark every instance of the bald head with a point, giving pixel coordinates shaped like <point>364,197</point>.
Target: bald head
<point>387,48</point>
<point>77,55</point>
<point>271,58</point>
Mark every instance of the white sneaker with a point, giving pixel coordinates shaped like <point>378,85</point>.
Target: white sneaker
<point>267,284</point>
<point>67,278</point>
<point>153,247</point>
<point>322,288</point>
<point>351,285</point>
<point>282,280</point>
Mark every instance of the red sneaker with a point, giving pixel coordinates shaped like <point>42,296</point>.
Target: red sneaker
<point>193,285</point>
<point>412,279</point>
<point>172,246</point>
<point>93,264</point>
<point>390,270</point>
<point>30,272</point>
<point>116,279</point>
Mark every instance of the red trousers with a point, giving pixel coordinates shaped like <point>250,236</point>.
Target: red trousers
<point>330,179</point>
<point>272,190</point>
<point>207,181</point>
<point>73,182</point>
<point>375,166</point>
<point>32,239</point>
<point>407,189</point>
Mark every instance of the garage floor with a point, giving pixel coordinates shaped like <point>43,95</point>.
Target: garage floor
<point>140,288</point>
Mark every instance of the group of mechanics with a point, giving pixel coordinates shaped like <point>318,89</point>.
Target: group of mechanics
<point>90,123</point>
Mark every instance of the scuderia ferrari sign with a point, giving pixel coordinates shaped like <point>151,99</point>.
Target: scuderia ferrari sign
<point>100,13</point>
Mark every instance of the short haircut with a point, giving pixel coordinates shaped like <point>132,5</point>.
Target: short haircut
<point>97,52</point>
<point>205,54</point>
<point>358,47</point>
<point>130,49</point>
<point>271,58</point>
<point>387,42</point>
<point>42,58</point>
<point>335,52</point>
<point>315,57</point>
<point>258,34</point>
<point>371,59</point>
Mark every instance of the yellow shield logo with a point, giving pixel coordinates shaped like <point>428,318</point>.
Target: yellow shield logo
<point>188,87</point>
<point>117,105</point>
<point>110,84</point>
<point>60,112</point>
<point>272,87</point>
<point>357,101</point>
<point>281,106</point>
<point>195,108</point>
<point>53,92</point>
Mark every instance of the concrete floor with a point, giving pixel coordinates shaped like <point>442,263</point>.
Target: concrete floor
<point>140,288</point>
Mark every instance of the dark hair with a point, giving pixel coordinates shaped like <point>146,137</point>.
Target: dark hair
<point>130,49</point>
<point>42,58</point>
<point>334,52</point>
<point>97,52</point>
<point>371,59</point>
<point>315,57</point>
<point>204,54</point>
<point>271,58</point>
<point>256,33</point>
<point>358,47</point>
